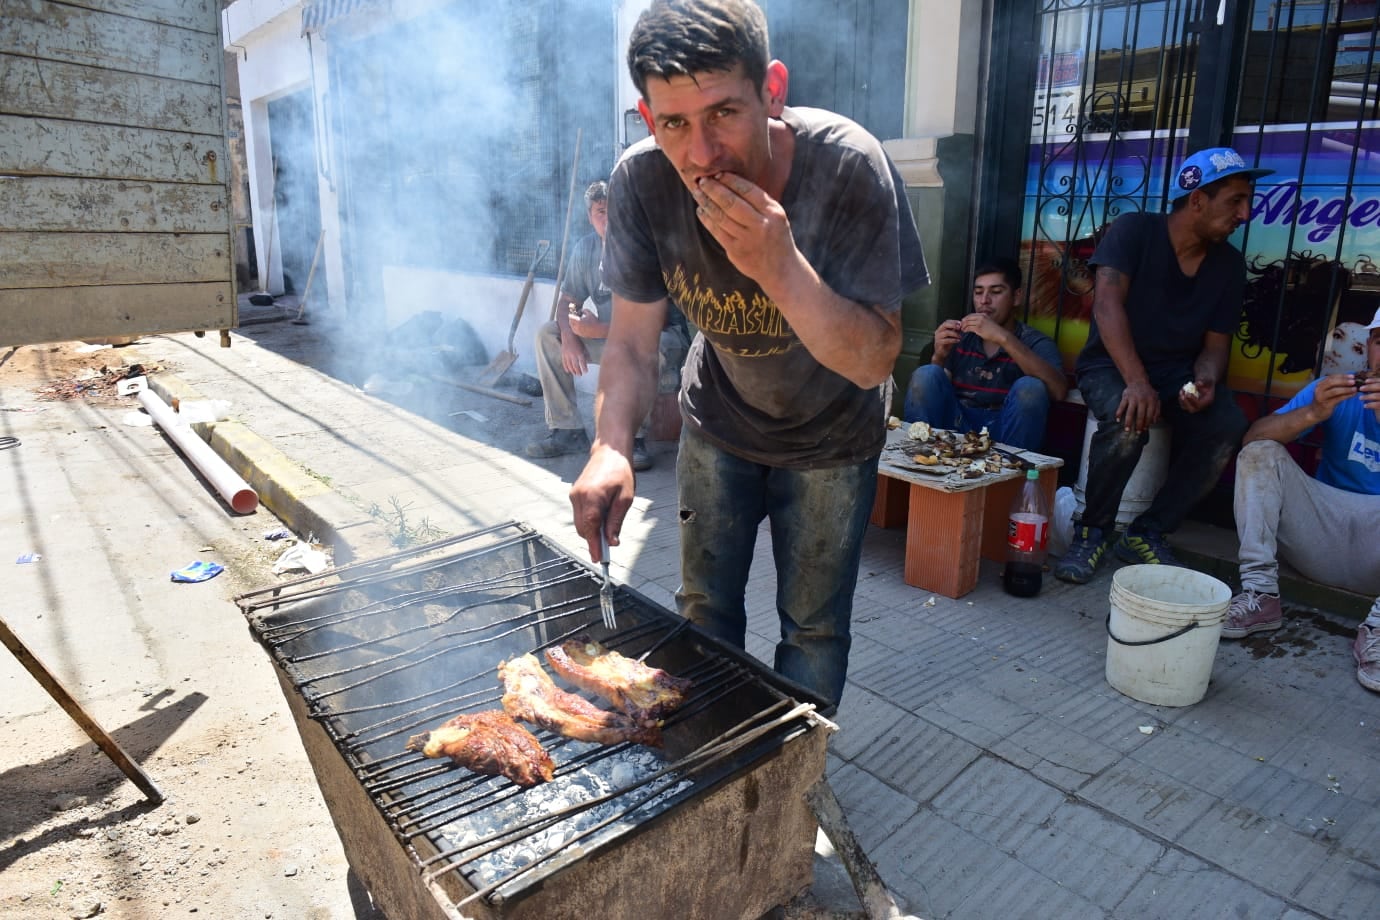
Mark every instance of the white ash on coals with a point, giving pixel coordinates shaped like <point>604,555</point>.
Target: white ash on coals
<point>608,774</point>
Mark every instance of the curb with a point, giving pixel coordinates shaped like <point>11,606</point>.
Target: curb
<point>306,504</point>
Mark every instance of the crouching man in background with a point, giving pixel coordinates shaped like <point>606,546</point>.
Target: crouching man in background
<point>1327,527</point>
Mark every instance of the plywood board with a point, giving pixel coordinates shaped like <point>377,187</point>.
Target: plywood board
<point>57,203</point>
<point>60,314</point>
<point>58,32</point>
<point>199,15</point>
<point>35,260</point>
<point>50,89</point>
<point>43,147</point>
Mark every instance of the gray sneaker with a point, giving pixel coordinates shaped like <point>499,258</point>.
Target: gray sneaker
<point>1251,612</point>
<point>1366,648</point>
<point>641,460</point>
<point>558,443</point>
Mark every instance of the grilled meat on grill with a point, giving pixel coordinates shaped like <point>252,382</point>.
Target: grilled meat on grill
<point>530,695</point>
<point>645,693</point>
<point>491,743</point>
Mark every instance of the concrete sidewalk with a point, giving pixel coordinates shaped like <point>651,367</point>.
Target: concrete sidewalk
<point>983,760</point>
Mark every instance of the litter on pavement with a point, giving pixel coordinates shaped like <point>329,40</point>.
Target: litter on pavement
<point>197,571</point>
<point>27,558</point>
<point>301,557</point>
<point>280,533</point>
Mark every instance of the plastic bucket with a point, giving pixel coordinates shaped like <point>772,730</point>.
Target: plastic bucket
<point>1146,478</point>
<point>1162,632</point>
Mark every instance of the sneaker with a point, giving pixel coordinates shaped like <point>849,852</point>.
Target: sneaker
<point>1146,548</point>
<point>1366,648</point>
<point>1084,553</point>
<point>1252,612</point>
<point>641,460</point>
<point>559,442</point>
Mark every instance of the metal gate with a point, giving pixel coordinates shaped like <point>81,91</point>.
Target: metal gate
<point>1122,90</point>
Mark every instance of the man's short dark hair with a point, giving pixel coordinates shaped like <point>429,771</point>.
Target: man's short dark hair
<point>1008,268</point>
<point>598,191</point>
<point>1210,190</point>
<point>687,37</point>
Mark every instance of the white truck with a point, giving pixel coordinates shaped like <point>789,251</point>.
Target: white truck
<point>114,193</point>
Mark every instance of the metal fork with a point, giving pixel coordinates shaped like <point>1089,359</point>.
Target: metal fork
<point>606,592</point>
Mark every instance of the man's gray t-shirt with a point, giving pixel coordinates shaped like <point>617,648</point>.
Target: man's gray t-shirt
<point>749,385</point>
<point>583,279</point>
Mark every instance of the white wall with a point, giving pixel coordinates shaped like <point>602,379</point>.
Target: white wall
<point>274,59</point>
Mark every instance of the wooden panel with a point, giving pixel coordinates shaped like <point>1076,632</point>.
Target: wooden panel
<point>60,314</point>
<point>198,15</point>
<point>95,205</point>
<point>36,146</point>
<point>113,169</point>
<point>57,32</point>
<point>29,86</point>
<point>34,260</point>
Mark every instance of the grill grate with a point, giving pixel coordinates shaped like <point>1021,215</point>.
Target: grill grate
<point>383,650</point>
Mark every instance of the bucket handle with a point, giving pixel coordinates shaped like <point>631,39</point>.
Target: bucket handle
<point>1173,635</point>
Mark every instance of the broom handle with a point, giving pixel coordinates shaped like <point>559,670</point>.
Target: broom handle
<point>565,234</point>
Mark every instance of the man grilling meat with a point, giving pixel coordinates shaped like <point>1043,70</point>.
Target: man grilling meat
<point>785,236</point>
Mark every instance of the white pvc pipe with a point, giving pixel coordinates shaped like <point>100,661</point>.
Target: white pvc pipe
<point>227,482</point>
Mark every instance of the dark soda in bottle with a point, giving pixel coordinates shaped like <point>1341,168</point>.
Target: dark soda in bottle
<point>1027,539</point>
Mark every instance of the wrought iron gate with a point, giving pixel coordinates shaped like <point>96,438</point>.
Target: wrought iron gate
<point>1124,89</point>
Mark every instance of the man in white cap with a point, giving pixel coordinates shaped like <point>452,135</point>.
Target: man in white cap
<point>1166,301</point>
<point>1327,526</point>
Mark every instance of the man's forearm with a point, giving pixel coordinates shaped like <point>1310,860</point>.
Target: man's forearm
<point>627,384</point>
<point>857,341</point>
<point>1285,427</point>
<point>1035,366</point>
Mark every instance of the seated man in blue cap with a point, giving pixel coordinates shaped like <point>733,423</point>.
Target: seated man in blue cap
<point>1166,301</point>
<point>989,369</point>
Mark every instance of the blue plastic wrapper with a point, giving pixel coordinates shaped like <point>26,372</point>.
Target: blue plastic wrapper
<point>197,571</point>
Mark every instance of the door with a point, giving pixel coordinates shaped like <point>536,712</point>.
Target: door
<point>113,168</point>
<point>296,213</point>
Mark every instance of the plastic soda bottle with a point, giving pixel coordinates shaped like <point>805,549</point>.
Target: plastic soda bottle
<point>1027,539</point>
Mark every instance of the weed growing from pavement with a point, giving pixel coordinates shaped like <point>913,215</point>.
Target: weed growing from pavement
<point>402,533</point>
<point>319,477</point>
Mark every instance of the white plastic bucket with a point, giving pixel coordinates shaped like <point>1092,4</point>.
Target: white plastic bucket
<point>1146,478</point>
<point>1162,632</point>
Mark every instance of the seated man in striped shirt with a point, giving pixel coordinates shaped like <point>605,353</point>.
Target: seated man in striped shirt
<point>990,370</point>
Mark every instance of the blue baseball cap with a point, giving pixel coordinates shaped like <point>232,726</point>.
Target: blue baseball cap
<point>1207,166</point>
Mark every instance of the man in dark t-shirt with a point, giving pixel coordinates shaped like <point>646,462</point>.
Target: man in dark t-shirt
<point>785,237</point>
<point>1166,302</point>
<point>989,369</point>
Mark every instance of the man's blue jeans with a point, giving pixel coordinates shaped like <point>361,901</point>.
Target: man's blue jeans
<point>1201,445</point>
<point>817,517</point>
<point>1019,422</point>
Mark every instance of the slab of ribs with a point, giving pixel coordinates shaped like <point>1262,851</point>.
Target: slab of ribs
<point>531,696</point>
<point>491,743</point>
<point>648,695</point>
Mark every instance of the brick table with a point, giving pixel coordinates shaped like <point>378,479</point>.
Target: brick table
<point>951,522</point>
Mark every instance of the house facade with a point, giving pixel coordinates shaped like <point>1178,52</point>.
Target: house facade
<point>419,150</point>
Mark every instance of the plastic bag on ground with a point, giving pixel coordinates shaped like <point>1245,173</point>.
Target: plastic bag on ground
<point>1061,522</point>
<point>301,557</point>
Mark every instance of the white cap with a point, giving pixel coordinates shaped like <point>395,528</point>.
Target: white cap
<point>1374,323</point>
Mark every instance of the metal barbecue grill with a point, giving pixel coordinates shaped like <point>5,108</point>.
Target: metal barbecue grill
<point>714,824</point>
